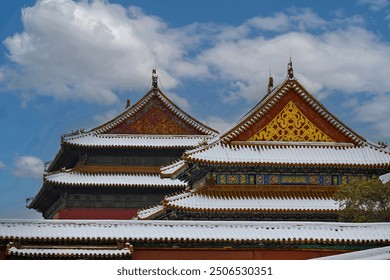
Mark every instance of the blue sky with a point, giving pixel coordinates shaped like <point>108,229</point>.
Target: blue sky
<point>66,65</point>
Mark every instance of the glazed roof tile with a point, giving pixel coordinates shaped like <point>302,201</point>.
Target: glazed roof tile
<point>198,231</point>
<point>135,140</point>
<point>296,154</point>
<point>73,178</point>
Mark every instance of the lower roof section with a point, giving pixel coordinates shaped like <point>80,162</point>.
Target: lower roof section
<point>196,231</point>
<point>88,252</point>
<point>382,253</point>
<point>135,140</point>
<point>74,178</point>
<point>204,200</point>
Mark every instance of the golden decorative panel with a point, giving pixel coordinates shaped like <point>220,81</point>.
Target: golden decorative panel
<point>291,125</point>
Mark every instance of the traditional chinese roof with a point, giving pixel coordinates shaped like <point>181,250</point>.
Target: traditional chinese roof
<point>289,153</point>
<point>154,121</point>
<point>76,179</point>
<point>287,127</point>
<point>196,231</point>
<point>290,111</point>
<point>251,201</point>
<point>135,141</point>
<point>382,253</point>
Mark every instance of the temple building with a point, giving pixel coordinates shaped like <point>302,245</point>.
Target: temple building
<point>262,189</point>
<point>112,171</point>
<point>283,160</point>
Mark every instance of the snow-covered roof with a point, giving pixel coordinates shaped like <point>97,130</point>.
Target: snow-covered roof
<point>135,140</point>
<point>69,253</point>
<point>150,212</point>
<point>74,178</point>
<point>196,231</point>
<point>173,169</point>
<point>385,178</point>
<point>250,201</point>
<point>382,253</point>
<point>291,153</point>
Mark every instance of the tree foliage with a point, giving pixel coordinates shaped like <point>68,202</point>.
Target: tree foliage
<point>367,201</point>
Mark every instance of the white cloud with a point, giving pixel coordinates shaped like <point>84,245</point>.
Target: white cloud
<point>216,122</point>
<point>295,19</point>
<point>2,165</point>
<point>86,50</point>
<point>179,101</point>
<point>29,166</point>
<point>89,49</point>
<point>376,5</point>
<point>376,112</point>
<point>103,118</point>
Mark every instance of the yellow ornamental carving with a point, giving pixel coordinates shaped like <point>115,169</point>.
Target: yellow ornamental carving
<point>291,125</point>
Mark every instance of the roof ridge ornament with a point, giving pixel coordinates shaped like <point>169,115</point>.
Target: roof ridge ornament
<point>154,79</point>
<point>290,70</point>
<point>270,82</point>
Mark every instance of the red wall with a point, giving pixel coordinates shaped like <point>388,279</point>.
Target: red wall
<point>220,254</point>
<point>96,214</point>
<point>229,254</point>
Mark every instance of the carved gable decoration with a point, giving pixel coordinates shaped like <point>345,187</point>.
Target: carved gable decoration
<point>290,125</point>
<point>154,118</point>
<point>289,113</point>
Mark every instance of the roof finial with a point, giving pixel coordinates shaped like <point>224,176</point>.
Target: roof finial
<point>290,70</point>
<point>270,82</point>
<point>154,79</point>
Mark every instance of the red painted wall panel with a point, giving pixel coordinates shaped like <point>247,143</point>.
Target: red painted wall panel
<point>96,214</point>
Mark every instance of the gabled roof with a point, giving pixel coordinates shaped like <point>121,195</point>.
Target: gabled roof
<point>155,114</point>
<point>290,108</point>
<point>288,126</point>
<point>155,102</point>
